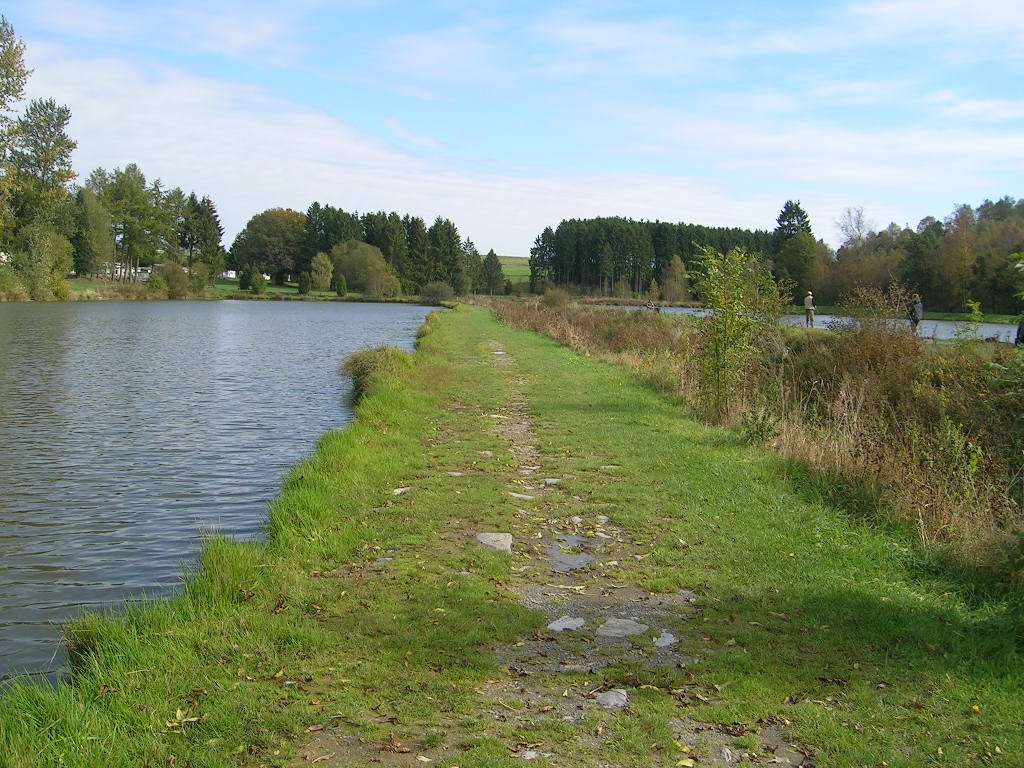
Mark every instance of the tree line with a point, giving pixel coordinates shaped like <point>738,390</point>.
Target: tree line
<point>622,257</point>
<point>970,256</point>
<point>110,226</point>
<point>381,253</point>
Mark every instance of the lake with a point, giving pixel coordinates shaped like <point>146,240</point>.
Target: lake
<point>128,430</point>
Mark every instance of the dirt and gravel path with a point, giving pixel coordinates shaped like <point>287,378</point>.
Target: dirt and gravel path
<point>568,568</point>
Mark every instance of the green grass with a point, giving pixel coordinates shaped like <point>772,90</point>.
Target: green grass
<point>515,268</point>
<point>375,611</point>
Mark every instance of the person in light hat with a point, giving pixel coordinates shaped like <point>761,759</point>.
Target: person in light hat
<point>809,307</point>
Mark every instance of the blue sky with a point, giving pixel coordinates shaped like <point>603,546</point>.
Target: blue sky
<point>509,117</point>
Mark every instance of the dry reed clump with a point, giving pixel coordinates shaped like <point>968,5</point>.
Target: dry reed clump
<point>919,428</point>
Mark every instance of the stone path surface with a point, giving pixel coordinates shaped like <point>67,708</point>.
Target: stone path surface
<point>567,568</point>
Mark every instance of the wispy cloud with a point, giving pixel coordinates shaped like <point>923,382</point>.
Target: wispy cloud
<point>411,137</point>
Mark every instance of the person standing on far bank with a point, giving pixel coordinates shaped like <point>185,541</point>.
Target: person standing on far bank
<point>915,311</point>
<point>809,307</point>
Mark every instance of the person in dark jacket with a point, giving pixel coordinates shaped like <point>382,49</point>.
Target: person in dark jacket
<point>915,311</point>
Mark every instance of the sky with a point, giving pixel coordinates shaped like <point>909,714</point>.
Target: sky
<point>508,117</point>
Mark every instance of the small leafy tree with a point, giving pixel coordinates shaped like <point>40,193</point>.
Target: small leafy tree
<point>43,262</point>
<point>175,279</point>
<point>746,304</point>
<point>492,275</point>
<point>304,283</point>
<point>340,285</point>
<point>199,278</point>
<point>320,272</point>
<point>673,281</point>
<point>970,330</point>
<point>257,282</point>
<point>654,291</point>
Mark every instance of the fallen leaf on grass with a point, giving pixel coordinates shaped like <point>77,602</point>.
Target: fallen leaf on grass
<point>393,745</point>
<point>181,719</point>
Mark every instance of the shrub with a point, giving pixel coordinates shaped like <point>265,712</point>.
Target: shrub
<point>747,304</point>
<point>365,268</point>
<point>199,278</point>
<point>11,288</point>
<point>436,293</point>
<point>340,285</point>
<point>320,272</point>
<point>245,277</point>
<point>555,298</point>
<point>156,285</point>
<point>176,279</point>
<point>257,283</point>
<point>383,285</point>
<point>304,283</point>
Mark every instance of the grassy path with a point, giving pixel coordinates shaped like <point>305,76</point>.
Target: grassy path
<point>374,629</point>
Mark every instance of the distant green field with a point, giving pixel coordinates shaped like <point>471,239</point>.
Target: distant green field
<point>515,268</point>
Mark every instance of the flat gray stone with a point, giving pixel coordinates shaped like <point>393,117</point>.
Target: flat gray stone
<point>499,541</point>
<point>665,640</point>
<point>621,628</point>
<point>566,622</point>
<point>520,496</point>
<point>616,698</point>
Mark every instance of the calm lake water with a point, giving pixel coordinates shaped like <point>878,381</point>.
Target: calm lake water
<point>130,429</point>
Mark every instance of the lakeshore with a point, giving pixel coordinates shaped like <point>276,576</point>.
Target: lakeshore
<point>376,626</point>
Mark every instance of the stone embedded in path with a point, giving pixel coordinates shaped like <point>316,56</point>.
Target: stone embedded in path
<point>400,491</point>
<point>454,474</point>
<point>621,628</point>
<point>566,623</point>
<point>665,640</point>
<point>521,496</point>
<point>616,698</point>
<point>552,481</point>
<point>499,541</point>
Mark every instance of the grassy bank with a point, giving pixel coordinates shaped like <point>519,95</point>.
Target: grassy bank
<point>373,615</point>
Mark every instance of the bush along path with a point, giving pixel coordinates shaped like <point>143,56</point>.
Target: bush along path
<point>518,556</point>
<point>693,602</point>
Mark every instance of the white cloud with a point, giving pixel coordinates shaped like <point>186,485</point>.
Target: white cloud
<point>403,133</point>
<point>953,107</point>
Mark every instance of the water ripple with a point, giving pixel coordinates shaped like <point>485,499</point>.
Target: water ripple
<point>129,430</point>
